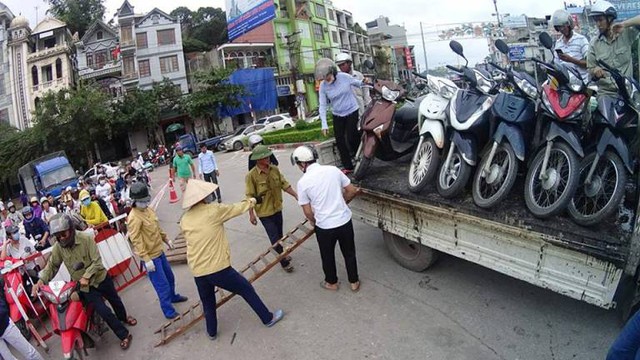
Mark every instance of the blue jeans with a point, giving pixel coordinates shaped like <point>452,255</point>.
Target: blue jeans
<point>273,225</point>
<point>164,283</point>
<point>627,345</point>
<point>228,279</point>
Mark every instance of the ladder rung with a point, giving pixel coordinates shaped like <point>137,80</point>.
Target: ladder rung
<point>264,260</point>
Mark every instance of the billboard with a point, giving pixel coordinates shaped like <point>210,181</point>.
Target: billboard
<point>517,53</point>
<point>626,8</point>
<point>245,15</point>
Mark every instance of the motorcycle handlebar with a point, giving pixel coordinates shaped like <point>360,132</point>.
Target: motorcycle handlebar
<point>420,75</point>
<point>498,67</point>
<point>454,68</point>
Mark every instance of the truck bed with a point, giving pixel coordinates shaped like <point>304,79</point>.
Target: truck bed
<point>608,241</point>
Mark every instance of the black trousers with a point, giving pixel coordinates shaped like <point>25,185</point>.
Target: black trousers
<point>273,225</point>
<point>327,239</point>
<point>108,291</point>
<point>345,129</point>
<point>211,177</point>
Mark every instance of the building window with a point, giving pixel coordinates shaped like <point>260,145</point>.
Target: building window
<point>90,61</point>
<point>34,75</point>
<point>144,68</point>
<point>326,53</point>
<point>50,42</point>
<point>320,11</point>
<point>126,34</point>
<point>101,59</point>
<point>36,101</point>
<point>318,33</point>
<point>332,15</point>
<point>128,66</point>
<point>99,35</point>
<point>2,89</point>
<point>4,116</point>
<point>169,64</point>
<point>335,37</point>
<point>141,40</point>
<point>166,37</point>
<point>58,69</point>
<point>47,73</point>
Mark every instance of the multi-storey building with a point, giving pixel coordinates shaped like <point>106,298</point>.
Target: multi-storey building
<point>383,36</point>
<point>353,39</point>
<point>7,114</point>
<point>40,62</point>
<point>97,58</point>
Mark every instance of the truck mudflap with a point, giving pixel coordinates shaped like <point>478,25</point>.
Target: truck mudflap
<point>534,257</point>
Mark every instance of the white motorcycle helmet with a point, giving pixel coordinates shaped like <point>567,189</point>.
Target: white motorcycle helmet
<point>254,140</point>
<point>342,58</point>
<point>605,8</point>
<point>561,18</point>
<point>304,154</point>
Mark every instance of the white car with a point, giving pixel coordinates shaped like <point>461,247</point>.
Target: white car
<point>277,122</point>
<point>238,141</point>
<point>111,170</point>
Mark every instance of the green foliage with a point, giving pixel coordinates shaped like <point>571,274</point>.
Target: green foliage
<point>77,14</point>
<point>280,137</point>
<point>194,45</point>
<point>212,92</point>
<point>207,25</point>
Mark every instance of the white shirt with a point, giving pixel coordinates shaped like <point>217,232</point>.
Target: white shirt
<point>207,162</point>
<point>362,94</point>
<point>47,215</point>
<point>577,47</point>
<point>321,187</point>
<point>103,191</point>
<point>19,251</point>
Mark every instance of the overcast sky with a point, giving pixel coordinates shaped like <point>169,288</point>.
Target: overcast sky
<point>403,12</point>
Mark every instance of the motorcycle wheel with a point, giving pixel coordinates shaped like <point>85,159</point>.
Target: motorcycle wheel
<point>550,196</point>
<point>362,164</point>
<point>490,190</point>
<point>424,164</point>
<point>452,180</point>
<point>595,202</point>
<point>24,330</point>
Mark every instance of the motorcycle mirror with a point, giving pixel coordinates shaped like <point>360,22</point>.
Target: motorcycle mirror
<point>78,266</point>
<point>369,64</point>
<point>546,40</point>
<point>421,86</point>
<point>502,46</point>
<point>457,48</point>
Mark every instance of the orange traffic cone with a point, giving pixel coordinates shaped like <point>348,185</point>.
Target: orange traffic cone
<point>173,196</point>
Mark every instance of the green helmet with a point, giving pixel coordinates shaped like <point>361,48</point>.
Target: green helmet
<point>260,152</point>
<point>139,192</point>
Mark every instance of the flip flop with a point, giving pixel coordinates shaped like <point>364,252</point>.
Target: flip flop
<point>131,321</point>
<point>124,344</point>
<point>355,287</point>
<point>325,285</point>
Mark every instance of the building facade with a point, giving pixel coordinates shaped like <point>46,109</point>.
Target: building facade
<point>97,58</point>
<point>7,114</point>
<point>383,36</point>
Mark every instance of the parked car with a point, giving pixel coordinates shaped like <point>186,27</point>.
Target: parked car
<point>277,122</point>
<point>238,141</point>
<point>110,170</point>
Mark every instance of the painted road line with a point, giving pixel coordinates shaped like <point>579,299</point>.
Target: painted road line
<point>156,199</point>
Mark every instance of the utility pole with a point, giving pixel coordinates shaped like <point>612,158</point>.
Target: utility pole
<point>424,49</point>
<point>37,14</point>
<point>495,6</point>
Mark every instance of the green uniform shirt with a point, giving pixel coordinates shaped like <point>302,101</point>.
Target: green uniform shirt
<point>183,165</point>
<point>616,53</point>
<point>269,187</point>
<point>83,250</point>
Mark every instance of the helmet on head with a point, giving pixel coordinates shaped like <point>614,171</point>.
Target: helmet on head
<point>343,58</point>
<point>562,18</point>
<point>27,210</point>
<point>43,199</point>
<point>11,229</point>
<point>304,154</point>
<point>605,8</point>
<point>325,67</point>
<point>33,199</point>
<point>10,205</point>
<point>60,223</point>
<point>139,191</point>
<point>254,140</point>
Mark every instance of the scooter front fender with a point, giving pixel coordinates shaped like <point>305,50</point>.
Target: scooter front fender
<point>514,136</point>
<point>68,339</point>
<point>14,313</point>
<point>370,143</point>
<point>556,130</point>
<point>467,147</point>
<point>435,129</point>
<point>609,139</point>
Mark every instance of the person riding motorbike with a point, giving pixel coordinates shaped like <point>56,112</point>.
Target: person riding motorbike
<point>15,217</point>
<point>36,228</point>
<point>255,140</point>
<point>19,247</point>
<point>572,47</point>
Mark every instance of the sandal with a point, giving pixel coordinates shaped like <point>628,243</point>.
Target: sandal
<point>325,285</point>
<point>355,287</point>
<point>124,344</point>
<point>131,321</point>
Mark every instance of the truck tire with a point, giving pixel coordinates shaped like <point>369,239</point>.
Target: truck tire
<point>409,254</point>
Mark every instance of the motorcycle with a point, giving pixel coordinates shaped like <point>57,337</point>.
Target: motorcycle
<point>604,171</point>
<point>387,133</point>
<point>21,308</point>
<point>70,319</point>
<point>553,173</point>
<point>515,114</point>
<point>432,121</point>
<point>470,121</point>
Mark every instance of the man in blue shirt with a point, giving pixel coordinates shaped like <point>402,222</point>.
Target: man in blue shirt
<point>208,167</point>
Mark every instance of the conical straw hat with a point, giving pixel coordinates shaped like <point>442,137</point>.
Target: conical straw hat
<point>196,191</point>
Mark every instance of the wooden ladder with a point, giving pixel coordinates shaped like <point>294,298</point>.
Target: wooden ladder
<point>253,271</point>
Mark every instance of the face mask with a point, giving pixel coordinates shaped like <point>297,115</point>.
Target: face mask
<point>142,204</point>
<point>12,210</point>
<point>15,236</point>
<point>102,182</point>
<point>86,202</point>
<point>208,199</point>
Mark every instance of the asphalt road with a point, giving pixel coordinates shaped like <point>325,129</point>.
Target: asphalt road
<point>455,310</point>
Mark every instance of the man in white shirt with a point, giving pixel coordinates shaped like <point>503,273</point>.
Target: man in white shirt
<point>208,168</point>
<point>571,47</point>
<point>18,247</point>
<point>323,193</point>
<point>345,64</point>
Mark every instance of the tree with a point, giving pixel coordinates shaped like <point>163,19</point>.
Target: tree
<point>77,14</point>
<point>194,45</point>
<point>185,16</point>
<point>213,92</point>
<point>207,25</point>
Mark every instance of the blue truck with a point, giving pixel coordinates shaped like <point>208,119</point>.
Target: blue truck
<point>191,146</point>
<point>49,174</point>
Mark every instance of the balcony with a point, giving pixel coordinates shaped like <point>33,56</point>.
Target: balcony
<point>50,52</point>
<point>130,76</point>
<point>127,43</point>
<point>47,85</point>
<point>110,68</point>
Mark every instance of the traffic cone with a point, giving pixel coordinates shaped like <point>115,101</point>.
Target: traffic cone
<point>173,196</point>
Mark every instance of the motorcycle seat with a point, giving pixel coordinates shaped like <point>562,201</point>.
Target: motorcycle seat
<point>407,115</point>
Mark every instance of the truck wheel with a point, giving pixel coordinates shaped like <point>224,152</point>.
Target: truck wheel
<point>409,254</point>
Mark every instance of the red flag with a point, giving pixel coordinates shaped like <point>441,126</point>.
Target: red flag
<point>115,54</point>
